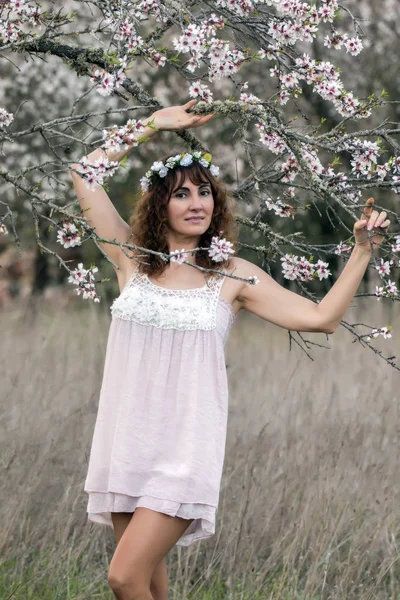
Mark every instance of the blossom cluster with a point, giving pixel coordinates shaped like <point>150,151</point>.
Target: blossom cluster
<point>84,279</point>
<point>118,138</point>
<point>294,21</point>
<point>94,173</point>
<point>295,268</point>
<point>11,31</point>
<point>219,250</point>
<point>68,235</point>
<point>364,157</point>
<point>327,83</point>
<point>202,91</point>
<point>115,138</point>
<point>291,166</point>
<point>342,247</point>
<point>384,268</point>
<point>389,290</point>
<point>384,331</point>
<point>336,40</point>
<point>108,82</point>
<point>396,245</point>
<point>6,118</point>
<point>271,140</point>
<point>280,208</point>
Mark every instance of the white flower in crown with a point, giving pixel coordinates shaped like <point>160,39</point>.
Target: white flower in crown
<point>214,170</point>
<point>186,160</point>
<point>171,162</point>
<point>144,184</point>
<point>157,165</point>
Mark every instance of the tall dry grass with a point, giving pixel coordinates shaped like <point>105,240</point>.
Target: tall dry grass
<point>310,497</point>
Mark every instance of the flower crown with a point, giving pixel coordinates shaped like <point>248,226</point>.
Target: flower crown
<point>182,160</point>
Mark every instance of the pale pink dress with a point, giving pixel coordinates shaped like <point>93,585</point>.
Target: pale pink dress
<point>160,433</point>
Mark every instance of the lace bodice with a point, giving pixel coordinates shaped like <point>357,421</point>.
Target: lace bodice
<point>149,304</point>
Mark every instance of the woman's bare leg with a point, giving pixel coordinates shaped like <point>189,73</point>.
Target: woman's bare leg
<point>159,579</point>
<point>146,540</point>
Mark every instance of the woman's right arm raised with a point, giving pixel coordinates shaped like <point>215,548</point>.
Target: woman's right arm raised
<point>100,212</point>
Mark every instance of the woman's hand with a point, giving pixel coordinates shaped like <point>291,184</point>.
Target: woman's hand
<point>370,219</point>
<point>176,117</point>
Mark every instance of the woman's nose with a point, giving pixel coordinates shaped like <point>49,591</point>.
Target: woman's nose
<point>196,200</point>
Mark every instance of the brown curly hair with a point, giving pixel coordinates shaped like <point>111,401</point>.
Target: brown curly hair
<point>149,220</point>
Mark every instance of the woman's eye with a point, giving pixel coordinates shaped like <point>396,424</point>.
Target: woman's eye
<point>180,194</point>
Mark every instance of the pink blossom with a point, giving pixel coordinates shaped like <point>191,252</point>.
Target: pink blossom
<point>396,245</point>
<point>353,46</point>
<point>200,90</point>
<point>6,118</point>
<point>69,235</point>
<point>220,249</point>
<point>322,269</point>
<point>342,247</point>
<point>178,256</point>
<point>384,331</point>
<point>280,208</point>
<point>84,279</point>
<point>384,267</point>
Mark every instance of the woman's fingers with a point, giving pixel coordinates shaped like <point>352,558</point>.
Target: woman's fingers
<point>372,220</point>
<point>210,116</point>
<point>381,219</point>
<point>201,119</point>
<point>368,208</point>
<point>189,104</point>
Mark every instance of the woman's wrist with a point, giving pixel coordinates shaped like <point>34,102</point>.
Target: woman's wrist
<point>363,248</point>
<point>150,126</point>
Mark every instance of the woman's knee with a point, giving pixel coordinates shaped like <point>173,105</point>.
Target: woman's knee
<point>123,585</point>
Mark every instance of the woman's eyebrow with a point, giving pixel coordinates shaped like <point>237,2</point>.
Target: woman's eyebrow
<point>187,189</point>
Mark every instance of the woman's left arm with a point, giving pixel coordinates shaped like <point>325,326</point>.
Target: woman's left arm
<point>272,302</point>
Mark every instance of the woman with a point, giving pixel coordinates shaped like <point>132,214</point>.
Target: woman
<point>158,446</point>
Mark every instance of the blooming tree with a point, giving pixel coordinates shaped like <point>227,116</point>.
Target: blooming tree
<point>212,50</point>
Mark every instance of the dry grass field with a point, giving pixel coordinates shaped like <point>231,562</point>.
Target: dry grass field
<point>310,498</point>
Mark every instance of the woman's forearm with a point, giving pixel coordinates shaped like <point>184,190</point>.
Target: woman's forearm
<point>335,303</point>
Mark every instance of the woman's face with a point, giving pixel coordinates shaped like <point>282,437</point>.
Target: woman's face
<point>190,200</point>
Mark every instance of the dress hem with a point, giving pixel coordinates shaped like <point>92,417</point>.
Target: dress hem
<point>100,505</point>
